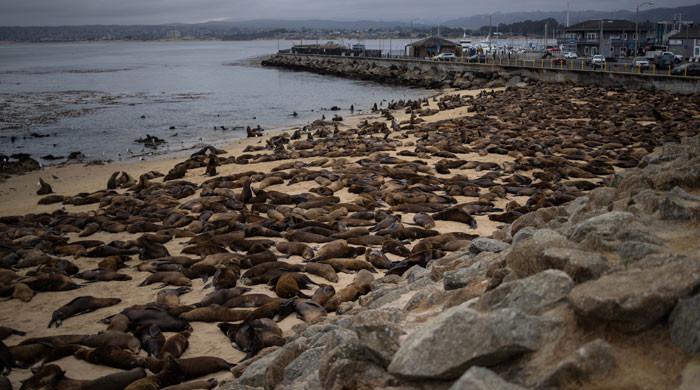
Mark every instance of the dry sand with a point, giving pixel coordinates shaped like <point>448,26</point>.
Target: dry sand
<point>18,197</point>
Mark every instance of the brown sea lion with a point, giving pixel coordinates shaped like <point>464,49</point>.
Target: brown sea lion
<point>111,338</point>
<point>226,278</point>
<point>172,278</point>
<point>347,294</point>
<point>22,292</point>
<point>171,297</point>
<point>6,332</point>
<point>80,305</point>
<point>219,297</point>
<point>215,313</point>
<point>118,322</point>
<point>289,285</point>
<point>309,310</point>
<point>248,300</point>
<point>194,385</point>
<point>377,259</point>
<point>110,357</point>
<point>50,282</point>
<point>456,214</point>
<point>322,294</point>
<point>151,338</point>
<point>396,248</point>
<point>276,309</point>
<point>336,250</point>
<point>44,377</point>
<point>349,265</point>
<point>116,381</point>
<point>305,236</point>
<point>253,335</point>
<point>26,355</point>
<point>171,374</point>
<point>175,345</point>
<point>424,220</point>
<point>195,367</point>
<point>295,249</point>
<point>44,188</point>
<point>325,271</point>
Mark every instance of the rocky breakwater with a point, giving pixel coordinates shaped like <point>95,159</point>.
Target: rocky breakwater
<point>427,75</point>
<point>598,292</point>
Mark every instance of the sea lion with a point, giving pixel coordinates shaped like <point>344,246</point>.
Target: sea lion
<point>396,248</point>
<point>420,259</point>
<point>172,278</point>
<point>253,335</point>
<point>171,374</point>
<point>277,309</point>
<point>50,282</point>
<point>111,338</point>
<point>7,361</point>
<point>377,259</point>
<point>337,249</point>
<point>44,377</point>
<point>171,297</point>
<point>289,285</point>
<point>305,236</point>
<point>6,332</point>
<point>102,275</point>
<point>309,311</point>
<point>110,357</point>
<point>22,292</point>
<point>212,163</point>
<point>456,214</point>
<point>175,345</point>
<point>194,385</point>
<point>149,314</point>
<point>219,297</point>
<point>325,271</point>
<point>26,355</point>
<point>151,338</point>
<point>80,305</point>
<point>322,294</point>
<point>347,294</point>
<point>195,367</point>
<point>116,381</point>
<point>295,249</point>
<point>118,322</point>
<point>247,191</point>
<point>349,265</point>
<point>424,220</point>
<point>44,188</point>
<point>248,300</point>
<point>226,278</point>
<point>215,313</point>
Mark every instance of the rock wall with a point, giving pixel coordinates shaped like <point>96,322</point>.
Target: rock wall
<point>429,74</point>
<point>598,293</point>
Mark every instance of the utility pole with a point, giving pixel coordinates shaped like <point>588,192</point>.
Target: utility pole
<point>546,25</point>
<point>636,28</point>
<point>567,15</point>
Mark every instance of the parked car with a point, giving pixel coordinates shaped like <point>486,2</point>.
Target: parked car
<point>689,69</point>
<point>677,58</point>
<point>445,57</point>
<point>570,55</point>
<point>665,61</point>
<point>641,62</point>
<point>559,61</point>
<point>598,60</point>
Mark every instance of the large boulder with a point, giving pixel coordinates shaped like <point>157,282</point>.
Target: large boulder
<point>531,295</point>
<point>461,337</point>
<point>379,330</point>
<point>525,257</point>
<point>580,265</point>
<point>680,206</point>
<point>268,371</point>
<point>638,298</point>
<point>479,378</point>
<point>483,244</point>
<point>685,324</point>
<point>592,361</point>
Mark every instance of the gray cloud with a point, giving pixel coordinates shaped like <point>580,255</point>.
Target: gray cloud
<point>60,12</point>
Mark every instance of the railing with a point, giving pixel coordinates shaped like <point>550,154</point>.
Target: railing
<point>556,64</point>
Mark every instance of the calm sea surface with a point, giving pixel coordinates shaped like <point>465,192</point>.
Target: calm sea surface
<point>99,98</point>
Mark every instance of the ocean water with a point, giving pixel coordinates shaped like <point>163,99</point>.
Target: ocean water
<point>98,98</point>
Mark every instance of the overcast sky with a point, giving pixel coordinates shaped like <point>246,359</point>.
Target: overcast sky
<point>60,12</point>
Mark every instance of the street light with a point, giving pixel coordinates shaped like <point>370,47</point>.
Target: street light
<point>636,28</point>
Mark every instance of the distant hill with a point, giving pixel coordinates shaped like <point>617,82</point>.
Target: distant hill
<point>691,12</point>
<point>314,24</point>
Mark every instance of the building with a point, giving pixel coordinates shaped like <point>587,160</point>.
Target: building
<point>612,38</point>
<point>686,42</point>
<point>334,49</point>
<point>432,46</point>
<point>666,28</point>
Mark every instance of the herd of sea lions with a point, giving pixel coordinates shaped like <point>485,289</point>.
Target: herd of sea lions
<point>380,200</point>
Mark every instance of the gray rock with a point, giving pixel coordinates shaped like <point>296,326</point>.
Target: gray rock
<point>631,251</point>
<point>302,373</point>
<point>351,365</point>
<point>532,295</point>
<point>523,234</point>
<point>379,330</point>
<point>416,272</point>
<point>461,337</point>
<point>605,225</point>
<point>685,324</point>
<point>345,307</point>
<point>483,244</point>
<point>580,265</point>
<point>425,299</point>
<point>479,378</point>
<point>592,361</point>
<point>525,257</point>
<point>268,371</point>
<point>679,205</point>
<point>460,278</point>
<point>636,299</point>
